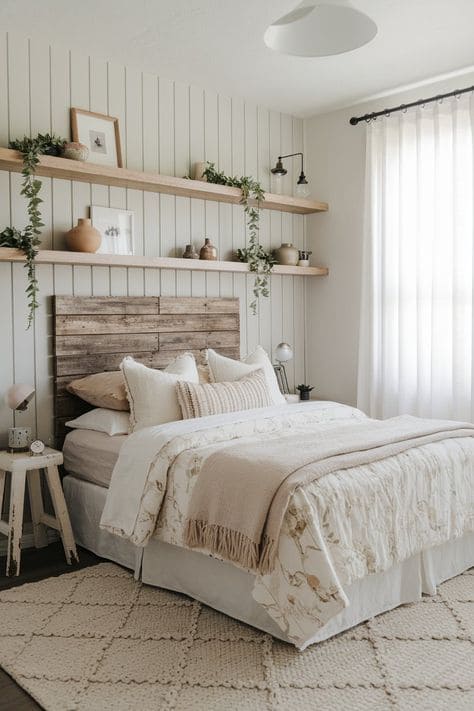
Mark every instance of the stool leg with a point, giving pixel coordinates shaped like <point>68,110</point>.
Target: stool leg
<point>62,516</point>
<point>36,505</point>
<point>15,522</point>
<point>2,489</point>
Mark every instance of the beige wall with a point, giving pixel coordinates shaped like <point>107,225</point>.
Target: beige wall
<point>336,169</point>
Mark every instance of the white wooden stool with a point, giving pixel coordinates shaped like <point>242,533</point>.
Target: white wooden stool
<point>25,467</point>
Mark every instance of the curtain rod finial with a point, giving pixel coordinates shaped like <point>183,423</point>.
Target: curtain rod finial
<point>354,121</point>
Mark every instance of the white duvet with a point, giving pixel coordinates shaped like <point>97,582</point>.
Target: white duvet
<point>338,529</point>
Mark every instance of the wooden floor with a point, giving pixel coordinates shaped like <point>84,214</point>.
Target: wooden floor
<point>35,565</point>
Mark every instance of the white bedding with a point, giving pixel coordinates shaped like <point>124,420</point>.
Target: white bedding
<point>339,529</point>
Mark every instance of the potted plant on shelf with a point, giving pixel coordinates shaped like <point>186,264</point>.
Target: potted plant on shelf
<point>28,239</point>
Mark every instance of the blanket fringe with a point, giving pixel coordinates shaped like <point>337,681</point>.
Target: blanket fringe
<point>267,555</point>
<point>231,545</point>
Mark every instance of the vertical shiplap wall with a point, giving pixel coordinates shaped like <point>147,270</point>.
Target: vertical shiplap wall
<point>165,126</point>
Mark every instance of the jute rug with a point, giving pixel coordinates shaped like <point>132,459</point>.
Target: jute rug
<point>95,639</point>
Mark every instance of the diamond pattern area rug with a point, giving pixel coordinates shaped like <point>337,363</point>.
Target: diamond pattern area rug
<point>98,640</point>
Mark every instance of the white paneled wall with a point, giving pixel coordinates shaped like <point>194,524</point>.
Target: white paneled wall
<point>165,126</point>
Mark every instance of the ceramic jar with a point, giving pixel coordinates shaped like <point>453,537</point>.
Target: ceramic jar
<point>83,237</point>
<point>198,171</point>
<point>190,252</point>
<point>19,439</point>
<point>287,255</point>
<point>75,151</point>
<point>208,251</point>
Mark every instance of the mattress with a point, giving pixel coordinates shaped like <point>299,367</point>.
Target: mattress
<point>91,455</point>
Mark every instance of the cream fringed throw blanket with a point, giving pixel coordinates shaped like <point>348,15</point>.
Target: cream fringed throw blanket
<point>242,493</point>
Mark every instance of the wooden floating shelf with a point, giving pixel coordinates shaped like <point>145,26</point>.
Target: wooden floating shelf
<point>66,169</point>
<point>47,256</point>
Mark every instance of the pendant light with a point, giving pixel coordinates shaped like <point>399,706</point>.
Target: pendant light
<point>320,28</point>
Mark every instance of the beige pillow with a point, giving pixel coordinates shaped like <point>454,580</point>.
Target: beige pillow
<point>223,368</point>
<point>199,400</point>
<point>152,393</point>
<point>102,390</point>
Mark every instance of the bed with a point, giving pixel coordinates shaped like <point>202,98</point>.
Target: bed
<point>330,574</point>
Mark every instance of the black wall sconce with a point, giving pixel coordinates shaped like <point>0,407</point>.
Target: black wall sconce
<point>301,189</point>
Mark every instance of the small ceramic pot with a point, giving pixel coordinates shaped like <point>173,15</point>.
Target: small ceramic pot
<point>303,262</point>
<point>198,171</point>
<point>83,237</point>
<point>208,251</point>
<point>190,252</point>
<point>287,255</point>
<point>19,439</point>
<point>75,151</point>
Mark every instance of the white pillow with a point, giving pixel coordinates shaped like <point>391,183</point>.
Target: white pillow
<point>152,393</point>
<point>112,422</point>
<point>225,369</point>
<point>260,358</point>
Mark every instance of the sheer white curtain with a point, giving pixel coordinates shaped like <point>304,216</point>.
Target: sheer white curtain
<point>416,343</point>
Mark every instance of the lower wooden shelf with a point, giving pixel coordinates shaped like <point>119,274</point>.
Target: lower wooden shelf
<point>47,256</point>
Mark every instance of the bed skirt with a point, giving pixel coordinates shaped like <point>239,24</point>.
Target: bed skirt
<point>228,589</point>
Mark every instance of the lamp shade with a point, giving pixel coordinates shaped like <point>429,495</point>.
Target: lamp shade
<point>283,352</point>
<point>320,28</point>
<point>19,395</point>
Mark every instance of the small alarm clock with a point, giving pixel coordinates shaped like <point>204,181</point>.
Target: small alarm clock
<point>37,447</point>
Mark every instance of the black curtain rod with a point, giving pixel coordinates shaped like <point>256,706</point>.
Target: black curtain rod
<point>403,107</point>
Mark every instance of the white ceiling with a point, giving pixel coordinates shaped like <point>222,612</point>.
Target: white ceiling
<point>218,44</point>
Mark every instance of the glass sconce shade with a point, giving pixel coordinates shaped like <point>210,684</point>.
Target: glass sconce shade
<point>283,352</point>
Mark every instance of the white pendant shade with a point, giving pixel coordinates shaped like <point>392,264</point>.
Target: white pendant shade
<point>320,29</point>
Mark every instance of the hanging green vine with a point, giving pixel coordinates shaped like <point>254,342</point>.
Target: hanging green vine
<point>259,260</point>
<point>29,239</point>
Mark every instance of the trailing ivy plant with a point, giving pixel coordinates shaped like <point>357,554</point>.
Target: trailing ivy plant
<point>29,238</point>
<point>259,260</point>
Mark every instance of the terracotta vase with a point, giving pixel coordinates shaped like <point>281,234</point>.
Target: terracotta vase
<point>83,237</point>
<point>190,252</point>
<point>208,251</point>
<point>287,255</point>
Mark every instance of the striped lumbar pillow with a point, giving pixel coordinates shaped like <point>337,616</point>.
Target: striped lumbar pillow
<point>199,400</point>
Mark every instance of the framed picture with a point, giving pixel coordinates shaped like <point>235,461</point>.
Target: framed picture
<point>100,134</point>
<point>116,229</point>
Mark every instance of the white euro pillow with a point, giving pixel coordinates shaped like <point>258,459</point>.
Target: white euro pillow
<point>152,393</point>
<point>223,369</point>
<point>100,419</point>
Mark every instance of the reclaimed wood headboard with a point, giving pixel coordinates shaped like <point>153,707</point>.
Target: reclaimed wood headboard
<point>93,334</point>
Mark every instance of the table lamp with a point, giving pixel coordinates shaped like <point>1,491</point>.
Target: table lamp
<point>283,353</point>
<point>17,399</point>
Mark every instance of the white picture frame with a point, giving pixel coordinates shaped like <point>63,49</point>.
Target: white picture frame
<point>101,135</point>
<point>116,228</point>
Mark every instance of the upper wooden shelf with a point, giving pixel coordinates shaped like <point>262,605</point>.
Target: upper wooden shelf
<point>56,256</point>
<point>123,178</point>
